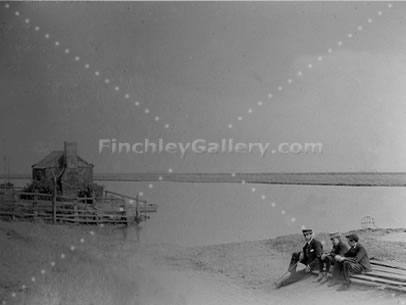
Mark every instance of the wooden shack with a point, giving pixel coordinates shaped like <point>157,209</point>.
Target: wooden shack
<point>70,171</point>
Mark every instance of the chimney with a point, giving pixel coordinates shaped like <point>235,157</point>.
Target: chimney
<point>70,154</point>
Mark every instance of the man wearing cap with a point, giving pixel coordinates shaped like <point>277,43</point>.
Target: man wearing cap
<point>327,259</point>
<point>309,256</point>
<point>354,261</point>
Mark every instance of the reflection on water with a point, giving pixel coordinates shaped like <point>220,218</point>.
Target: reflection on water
<point>130,232</point>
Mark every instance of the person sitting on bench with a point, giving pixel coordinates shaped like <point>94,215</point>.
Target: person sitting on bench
<point>309,256</point>
<point>354,261</point>
<point>327,259</point>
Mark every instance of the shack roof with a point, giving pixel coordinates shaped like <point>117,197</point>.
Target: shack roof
<point>57,159</point>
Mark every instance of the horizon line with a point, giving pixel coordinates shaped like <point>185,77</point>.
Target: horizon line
<point>345,178</point>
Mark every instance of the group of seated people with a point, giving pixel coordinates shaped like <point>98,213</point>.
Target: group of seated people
<point>344,260</point>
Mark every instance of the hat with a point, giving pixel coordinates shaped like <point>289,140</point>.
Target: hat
<point>307,231</point>
<point>334,235</point>
<point>352,236</point>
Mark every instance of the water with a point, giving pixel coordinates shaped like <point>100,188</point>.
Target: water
<point>192,214</point>
<point>203,214</point>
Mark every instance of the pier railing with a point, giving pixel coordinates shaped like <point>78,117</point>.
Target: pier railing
<point>86,210</point>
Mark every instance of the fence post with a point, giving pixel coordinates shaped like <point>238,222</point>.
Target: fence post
<point>137,211</point>
<point>54,203</point>
<point>75,208</point>
<point>125,213</point>
<point>35,206</point>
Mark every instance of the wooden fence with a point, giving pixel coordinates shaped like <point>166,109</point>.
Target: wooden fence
<point>85,210</point>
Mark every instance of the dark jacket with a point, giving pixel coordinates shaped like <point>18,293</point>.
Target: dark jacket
<point>312,251</point>
<point>340,249</point>
<point>359,255</point>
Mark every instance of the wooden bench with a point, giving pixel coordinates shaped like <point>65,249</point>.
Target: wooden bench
<point>384,275</point>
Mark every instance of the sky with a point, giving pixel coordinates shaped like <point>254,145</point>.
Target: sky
<point>199,66</point>
<point>207,69</point>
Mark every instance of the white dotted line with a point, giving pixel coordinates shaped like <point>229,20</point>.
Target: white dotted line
<point>116,88</point>
<point>106,80</point>
<point>263,197</point>
<point>97,74</point>
<point>166,126</point>
<point>280,88</point>
<point>299,74</point>
<point>43,271</point>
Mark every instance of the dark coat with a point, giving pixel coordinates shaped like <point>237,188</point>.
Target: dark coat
<point>312,251</point>
<point>359,255</point>
<point>340,249</point>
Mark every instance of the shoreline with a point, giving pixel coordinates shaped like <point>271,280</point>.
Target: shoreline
<point>105,269</point>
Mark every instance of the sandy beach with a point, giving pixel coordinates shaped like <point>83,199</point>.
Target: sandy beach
<point>40,266</point>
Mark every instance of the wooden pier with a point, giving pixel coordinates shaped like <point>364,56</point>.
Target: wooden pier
<point>113,208</point>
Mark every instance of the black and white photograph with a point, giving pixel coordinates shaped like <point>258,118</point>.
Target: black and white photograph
<point>202,152</point>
